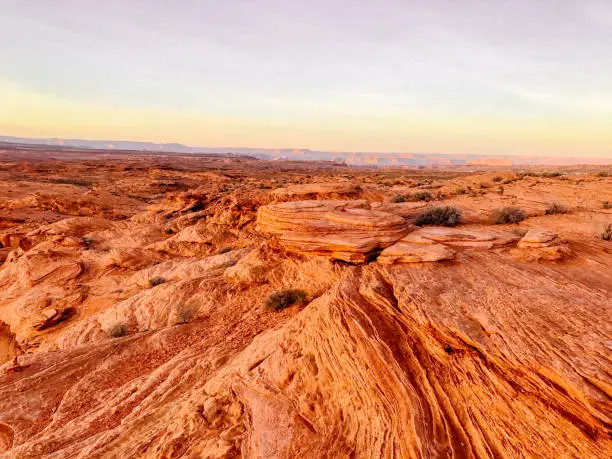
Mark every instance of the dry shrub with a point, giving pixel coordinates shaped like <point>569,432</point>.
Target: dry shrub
<point>607,233</point>
<point>118,330</point>
<point>157,280</point>
<point>439,216</point>
<point>509,214</point>
<point>185,314</point>
<point>282,299</point>
<point>556,207</point>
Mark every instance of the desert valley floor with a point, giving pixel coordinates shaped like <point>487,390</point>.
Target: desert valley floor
<point>135,316</point>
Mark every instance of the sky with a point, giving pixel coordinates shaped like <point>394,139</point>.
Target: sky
<point>525,77</point>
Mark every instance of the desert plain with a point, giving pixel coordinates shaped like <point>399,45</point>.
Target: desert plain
<point>158,305</point>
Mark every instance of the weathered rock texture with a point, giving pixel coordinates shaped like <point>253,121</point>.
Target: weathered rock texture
<point>344,230</point>
<point>133,320</point>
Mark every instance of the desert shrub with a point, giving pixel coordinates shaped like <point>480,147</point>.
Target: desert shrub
<point>551,174</point>
<point>498,178</point>
<point>607,205</point>
<point>443,216</point>
<point>157,280</point>
<point>460,190</point>
<point>556,207</point>
<point>421,196</point>
<point>282,299</point>
<point>509,214</point>
<point>398,198</point>
<point>603,174</point>
<point>500,189</point>
<point>169,231</point>
<point>225,250</point>
<point>185,314</point>
<point>484,186</point>
<point>117,330</point>
<point>607,233</point>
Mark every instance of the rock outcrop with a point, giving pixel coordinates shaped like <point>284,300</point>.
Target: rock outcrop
<point>342,230</point>
<point>325,190</point>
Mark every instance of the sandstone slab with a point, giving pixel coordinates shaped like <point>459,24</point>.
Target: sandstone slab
<point>411,252</point>
<point>344,230</point>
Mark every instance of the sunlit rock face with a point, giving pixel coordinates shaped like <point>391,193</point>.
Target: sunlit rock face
<point>134,318</point>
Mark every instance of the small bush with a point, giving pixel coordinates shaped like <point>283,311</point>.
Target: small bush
<point>443,216</point>
<point>603,174</point>
<point>421,196</point>
<point>398,198</point>
<point>282,299</point>
<point>509,214</point>
<point>556,208</point>
<point>157,280</point>
<point>460,190</point>
<point>117,330</point>
<point>185,314</point>
<point>498,178</point>
<point>607,205</point>
<point>607,233</point>
<point>500,189</point>
<point>225,250</point>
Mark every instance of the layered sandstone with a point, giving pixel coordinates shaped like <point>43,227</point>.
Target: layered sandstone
<point>343,230</point>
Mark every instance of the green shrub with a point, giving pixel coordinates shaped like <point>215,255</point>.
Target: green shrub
<point>282,299</point>
<point>157,280</point>
<point>442,216</point>
<point>118,330</point>
<point>556,207</point>
<point>509,214</point>
<point>460,190</point>
<point>607,233</point>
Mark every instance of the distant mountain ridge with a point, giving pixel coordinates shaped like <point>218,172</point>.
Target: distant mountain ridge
<point>353,158</point>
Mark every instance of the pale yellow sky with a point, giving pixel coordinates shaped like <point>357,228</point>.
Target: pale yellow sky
<point>35,115</point>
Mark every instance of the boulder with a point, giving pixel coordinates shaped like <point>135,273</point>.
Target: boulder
<point>344,230</point>
<point>411,252</point>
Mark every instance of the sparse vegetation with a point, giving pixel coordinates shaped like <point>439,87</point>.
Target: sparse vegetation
<point>607,233</point>
<point>607,205</point>
<point>556,207</point>
<point>421,196</point>
<point>460,190</point>
<point>282,299</point>
<point>509,214</point>
<point>443,216</point>
<point>603,174</point>
<point>225,250</point>
<point>157,280</point>
<point>500,189</point>
<point>118,330</point>
<point>184,314</point>
<point>398,198</point>
<point>498,178</point>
